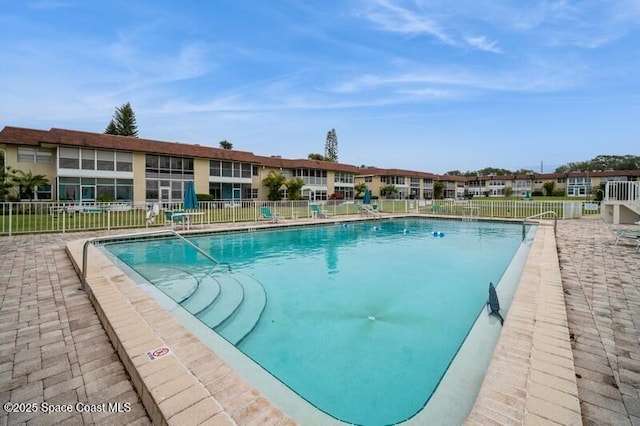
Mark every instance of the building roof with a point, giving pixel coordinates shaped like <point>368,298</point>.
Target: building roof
<point>64,137</point>
<point>129,143</point>
<point>22,136</point>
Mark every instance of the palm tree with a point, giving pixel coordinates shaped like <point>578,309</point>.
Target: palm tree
<point>438,190</point>
<point>27,182</point>
<point>274,181</point>
<point>360,188</point>
<point>6,181</point>
<point>294,185</point>
<point>226,144</point>
<point>388,191</point>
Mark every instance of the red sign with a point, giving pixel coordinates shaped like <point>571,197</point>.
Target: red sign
<point>157,353</point>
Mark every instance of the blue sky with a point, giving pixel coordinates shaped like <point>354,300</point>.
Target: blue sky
<point>412,84</point>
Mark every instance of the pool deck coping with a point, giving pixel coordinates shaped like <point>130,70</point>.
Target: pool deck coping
<point>530,380</point>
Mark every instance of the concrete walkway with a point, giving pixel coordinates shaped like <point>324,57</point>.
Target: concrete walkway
<point>54,350</point>
<point>601,283</point>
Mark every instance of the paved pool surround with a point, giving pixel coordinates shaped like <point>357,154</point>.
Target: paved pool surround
<point>530,380</point>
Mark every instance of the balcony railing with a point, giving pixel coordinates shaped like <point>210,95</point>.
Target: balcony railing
<point>625,192</point>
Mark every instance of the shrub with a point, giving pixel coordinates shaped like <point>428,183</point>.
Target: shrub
<point>106,198</point>
<point>204,197</point>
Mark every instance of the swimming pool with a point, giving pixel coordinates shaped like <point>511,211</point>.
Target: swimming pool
<point>360,319</point>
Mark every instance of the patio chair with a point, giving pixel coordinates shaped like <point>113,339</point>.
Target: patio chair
<point>175,217</point>
<point>265,214</point>
<point>316,212</point>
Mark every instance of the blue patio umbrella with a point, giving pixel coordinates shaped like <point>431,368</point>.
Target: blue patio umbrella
<point>367,196</point>
<point>190,199</point>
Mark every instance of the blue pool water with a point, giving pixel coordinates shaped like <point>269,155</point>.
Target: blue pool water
<point>360,319</point>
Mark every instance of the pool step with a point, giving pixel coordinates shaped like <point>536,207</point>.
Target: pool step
<point>206,294</point>
<point>230,298</point>
<point>241,323</point>
<point>179,285</point>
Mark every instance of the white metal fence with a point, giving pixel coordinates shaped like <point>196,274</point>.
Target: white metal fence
<point>32,217</point>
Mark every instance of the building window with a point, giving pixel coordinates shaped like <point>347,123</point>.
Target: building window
<point>166,167</point>
<point>368,179</point>
<point>124,161</point>
<point>124,189</point>
<point>346,192</point>
<point>152,190</point>
<point>88,161</point>
<point>341,177</point>
<point>215,168</point>
<point>69,158</point>
<point>41,192</point>
<point>311,176</point>
<point>105,160</point>
<point>68,188</point>
<point>34,155</point>
<point>227,169</point>
<point>254,193</point>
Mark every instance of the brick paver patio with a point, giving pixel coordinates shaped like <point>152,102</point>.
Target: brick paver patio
<point>53,348</point>
<point>602,292</point>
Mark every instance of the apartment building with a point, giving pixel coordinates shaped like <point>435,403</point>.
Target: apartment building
<point>409,184</point>
<point>89,167</point>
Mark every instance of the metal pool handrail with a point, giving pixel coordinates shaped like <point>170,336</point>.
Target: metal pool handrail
<point>555,221</point>
<point>85,247</point>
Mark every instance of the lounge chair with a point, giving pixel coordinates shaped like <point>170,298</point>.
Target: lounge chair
<point>634,235</point>
<point>175,217</point>
<point>316,212</point>
<point>265,214</point>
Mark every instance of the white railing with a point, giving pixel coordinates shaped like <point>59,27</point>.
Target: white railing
<point>33,217</point>
<point>626,192</point>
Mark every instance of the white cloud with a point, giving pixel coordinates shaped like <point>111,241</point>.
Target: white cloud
<point>482,43</point>
<point>394,18</point>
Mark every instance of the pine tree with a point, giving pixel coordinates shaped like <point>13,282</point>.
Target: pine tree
<point>331,146</point>
<point>111,128</point>
<point>123,122</point>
